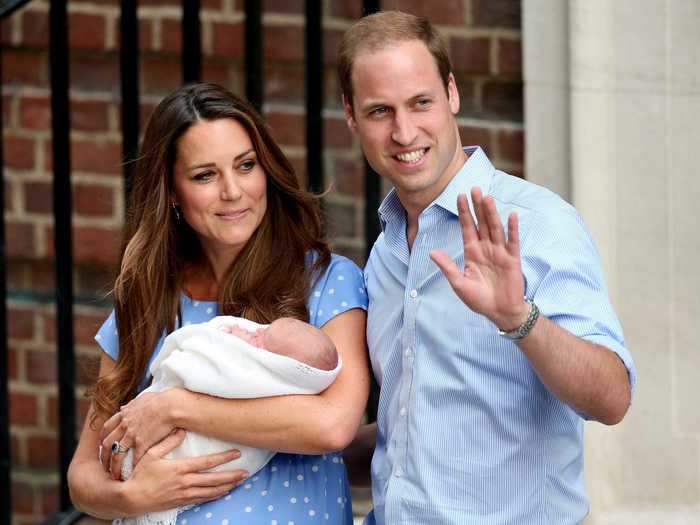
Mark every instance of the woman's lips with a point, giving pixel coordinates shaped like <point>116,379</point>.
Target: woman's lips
<point>232,215</point>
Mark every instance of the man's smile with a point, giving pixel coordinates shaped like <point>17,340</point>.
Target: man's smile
<point>412,158</point>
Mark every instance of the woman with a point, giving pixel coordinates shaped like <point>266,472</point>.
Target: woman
<point>217,224</point>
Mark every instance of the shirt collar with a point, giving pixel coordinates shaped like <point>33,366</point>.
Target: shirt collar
<point>476,171</point>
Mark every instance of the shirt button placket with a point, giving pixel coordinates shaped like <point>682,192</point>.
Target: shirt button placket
<point>410,308</point>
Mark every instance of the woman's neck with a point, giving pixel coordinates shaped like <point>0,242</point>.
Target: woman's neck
<point>200,283</point>
<point>217,261</point>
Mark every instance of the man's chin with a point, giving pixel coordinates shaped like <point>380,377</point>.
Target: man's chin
<point>413,185</point>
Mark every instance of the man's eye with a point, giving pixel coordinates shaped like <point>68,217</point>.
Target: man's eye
<point>378,112</point>
<point>424,102</point>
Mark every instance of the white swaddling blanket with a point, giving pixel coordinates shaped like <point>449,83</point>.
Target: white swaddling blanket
<point>205,359</point>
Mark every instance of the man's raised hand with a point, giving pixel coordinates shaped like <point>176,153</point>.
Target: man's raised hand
<point>491,282</point>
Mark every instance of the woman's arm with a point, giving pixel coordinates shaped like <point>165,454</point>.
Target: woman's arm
<point>156,483</point>
<point>296,423</point>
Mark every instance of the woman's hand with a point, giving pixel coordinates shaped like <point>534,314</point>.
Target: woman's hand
<point>159,484</point>
<point>139,425</point>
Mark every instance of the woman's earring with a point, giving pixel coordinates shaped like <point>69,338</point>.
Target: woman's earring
<point>177,212</point>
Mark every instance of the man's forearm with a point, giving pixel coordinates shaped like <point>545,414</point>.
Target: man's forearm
<point>358,455</point>
<point>590,378</point>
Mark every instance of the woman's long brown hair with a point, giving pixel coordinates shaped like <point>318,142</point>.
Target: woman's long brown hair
<point>269,278</point>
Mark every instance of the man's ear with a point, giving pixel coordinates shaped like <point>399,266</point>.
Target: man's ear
<point>349,116</point>
<point>452,94</point>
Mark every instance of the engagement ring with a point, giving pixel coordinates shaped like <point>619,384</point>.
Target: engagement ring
<point>118,448</point>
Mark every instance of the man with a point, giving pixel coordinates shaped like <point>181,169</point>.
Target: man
<point>489,349</point>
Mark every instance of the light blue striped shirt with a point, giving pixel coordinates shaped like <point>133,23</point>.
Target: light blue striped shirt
<point>467,433</point>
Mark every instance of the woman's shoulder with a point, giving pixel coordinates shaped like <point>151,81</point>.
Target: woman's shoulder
<point>340,261</point>
<point>339,268</point>
<point>339,288</point>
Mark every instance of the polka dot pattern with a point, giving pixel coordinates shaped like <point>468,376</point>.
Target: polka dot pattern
<point>292,488</point>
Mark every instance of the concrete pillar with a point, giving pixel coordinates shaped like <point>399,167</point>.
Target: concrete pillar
<point>634,130</point>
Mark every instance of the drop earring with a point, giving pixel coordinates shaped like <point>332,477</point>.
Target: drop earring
<point>177,213</point>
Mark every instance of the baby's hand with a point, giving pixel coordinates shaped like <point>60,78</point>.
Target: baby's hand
<point>236,330</point>
<point>252,338</point>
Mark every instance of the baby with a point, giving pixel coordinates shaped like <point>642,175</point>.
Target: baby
<point>223,358</point>
<point>292,338</point>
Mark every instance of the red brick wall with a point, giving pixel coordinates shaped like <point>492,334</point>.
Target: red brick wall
<point>484,41</point>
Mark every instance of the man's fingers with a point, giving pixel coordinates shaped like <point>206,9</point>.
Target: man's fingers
<point>200,463</point>
<point>482,226</point>
<point>446,265</point>
<point>493,221</point>
<point>513,244</point>
<point>466,220</point>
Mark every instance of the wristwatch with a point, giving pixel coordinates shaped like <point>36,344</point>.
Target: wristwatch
<point>524,329</point>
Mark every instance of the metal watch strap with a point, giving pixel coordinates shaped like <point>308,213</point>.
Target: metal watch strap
<point>524,329</point>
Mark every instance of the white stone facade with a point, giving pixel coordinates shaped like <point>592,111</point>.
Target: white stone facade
<point>612,102</point>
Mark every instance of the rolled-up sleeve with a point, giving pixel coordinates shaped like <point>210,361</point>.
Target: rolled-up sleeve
<point>564,276</point>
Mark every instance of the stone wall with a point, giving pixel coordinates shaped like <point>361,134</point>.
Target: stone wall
<point>619,84</point>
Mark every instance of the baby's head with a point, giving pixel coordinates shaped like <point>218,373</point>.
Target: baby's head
<point>292,338</point>
<point>300,341</point>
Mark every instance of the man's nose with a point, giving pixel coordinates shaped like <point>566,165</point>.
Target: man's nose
<point>405,131</point>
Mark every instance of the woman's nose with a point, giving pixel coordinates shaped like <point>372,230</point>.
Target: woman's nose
<point>229,188</point>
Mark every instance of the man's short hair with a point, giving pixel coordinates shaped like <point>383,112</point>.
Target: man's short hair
<point>379,30</point>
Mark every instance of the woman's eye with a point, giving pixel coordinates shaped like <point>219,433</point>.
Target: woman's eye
<point>204,176</point>
<point>247,165</point>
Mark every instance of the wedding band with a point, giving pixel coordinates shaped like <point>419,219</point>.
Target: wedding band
<point>118,448</point>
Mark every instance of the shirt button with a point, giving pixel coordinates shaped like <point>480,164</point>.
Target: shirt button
<point>414,293</point>
<point>407,353</point>
<point>402,412</point>
<point>398,472</point>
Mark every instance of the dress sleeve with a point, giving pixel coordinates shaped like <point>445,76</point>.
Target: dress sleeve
<point>339,289</point>
<point>108,336</point>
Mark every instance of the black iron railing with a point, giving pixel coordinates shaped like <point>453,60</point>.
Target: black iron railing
<point>62,206</point>
<point>129,74</point>
<point>372,197</point>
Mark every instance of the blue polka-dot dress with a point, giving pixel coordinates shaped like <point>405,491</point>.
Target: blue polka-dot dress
<point>292,488</point>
